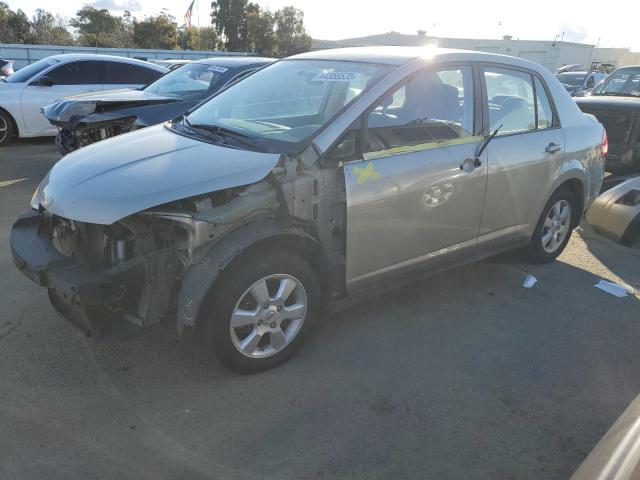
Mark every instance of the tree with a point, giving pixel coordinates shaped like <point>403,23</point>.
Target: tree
<point>229,18</point>
<point>47,29</point>
<point>14,26</point>
<point>156,32</point>
<point>292,36</point>
<point>98,28</point>
<point>261,34</point>
<point>198,38</point>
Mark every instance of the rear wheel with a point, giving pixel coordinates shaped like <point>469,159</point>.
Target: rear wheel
<point>262,312</point>
<point>6,128</point>
<point>554,228</point>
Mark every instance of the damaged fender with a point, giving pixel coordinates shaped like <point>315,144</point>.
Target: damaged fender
<point>198,280</point>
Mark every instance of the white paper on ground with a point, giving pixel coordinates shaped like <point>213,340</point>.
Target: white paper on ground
<point>617,289</point>
<point>529,281</point>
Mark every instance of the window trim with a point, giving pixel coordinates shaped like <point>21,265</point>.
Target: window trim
<point>475,137</point>
<point>486,127</point>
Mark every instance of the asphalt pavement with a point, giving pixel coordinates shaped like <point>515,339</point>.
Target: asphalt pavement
<point>461,375</point>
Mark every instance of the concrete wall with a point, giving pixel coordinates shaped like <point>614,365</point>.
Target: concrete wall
<point>619,57</point>
<point>25,54</point>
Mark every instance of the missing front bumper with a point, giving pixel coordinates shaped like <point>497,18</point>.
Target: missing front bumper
<point>89,299</point>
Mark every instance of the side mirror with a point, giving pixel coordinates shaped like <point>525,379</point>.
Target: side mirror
<point>43,81</point>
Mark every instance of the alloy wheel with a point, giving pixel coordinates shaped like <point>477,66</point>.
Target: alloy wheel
<point>556,226</point>
<point>268,316</point>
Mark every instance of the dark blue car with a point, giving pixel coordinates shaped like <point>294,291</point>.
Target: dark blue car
<point>91,117</point>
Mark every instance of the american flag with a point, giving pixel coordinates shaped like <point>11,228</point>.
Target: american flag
<point>187,16</point>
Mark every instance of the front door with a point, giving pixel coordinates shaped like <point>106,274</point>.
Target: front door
<point>416,196</point>
<point>68,79</point>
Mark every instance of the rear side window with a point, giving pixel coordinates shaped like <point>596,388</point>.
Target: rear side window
<point>518,101</point>
<point>126,73</point>
<point>511,102</point>
<point>77,73</point>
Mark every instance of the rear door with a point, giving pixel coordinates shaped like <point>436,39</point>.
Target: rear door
<point>524,157</point>
<point>127,75</point>
<point>69,78</point>
<point>415,196</point>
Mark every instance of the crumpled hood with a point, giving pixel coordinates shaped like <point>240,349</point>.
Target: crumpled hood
<point>58,111</point>
<point>112,179</point>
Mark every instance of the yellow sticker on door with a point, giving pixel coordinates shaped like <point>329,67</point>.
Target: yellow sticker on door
<point>365,174</point>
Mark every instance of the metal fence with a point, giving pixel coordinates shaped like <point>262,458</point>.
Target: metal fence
<point>23,55</point>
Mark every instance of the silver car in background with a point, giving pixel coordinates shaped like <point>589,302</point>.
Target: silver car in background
<point>318,176</point>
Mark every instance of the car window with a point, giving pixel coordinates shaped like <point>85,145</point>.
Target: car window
<point>433,106</point>
<point>126,73</point>
<point>510,95</point>
<point>189,82</point>
<point>545,112</point>
<point>25,73</point>
<point>625,81</point>
<point>287,102</point>
<point>77,73</point>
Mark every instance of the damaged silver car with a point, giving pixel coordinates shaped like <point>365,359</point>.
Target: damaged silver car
<point>317,176</point>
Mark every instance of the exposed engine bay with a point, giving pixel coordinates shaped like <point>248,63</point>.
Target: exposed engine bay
<point>139,262</point>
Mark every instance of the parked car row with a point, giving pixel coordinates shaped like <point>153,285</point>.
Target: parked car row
<point>85,119</point>
<point>315,177</point>
<point>23,94</point>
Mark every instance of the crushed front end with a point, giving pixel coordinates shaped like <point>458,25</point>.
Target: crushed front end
<point>99,277</point>
<point>109,280</point>
<point>71,137</point>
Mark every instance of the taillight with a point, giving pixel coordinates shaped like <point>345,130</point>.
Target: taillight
<point>604,147</point>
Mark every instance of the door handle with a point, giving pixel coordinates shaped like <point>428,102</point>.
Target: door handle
<point>552,148</point>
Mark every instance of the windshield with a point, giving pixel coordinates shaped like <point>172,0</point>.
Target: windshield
<point>573,79</point>
<point>287,102</point>
<point>625,82</point>
<point>189,82</point>
<point>29,71</point>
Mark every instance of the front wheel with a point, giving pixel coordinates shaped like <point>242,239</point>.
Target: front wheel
<point>554,228</point>
<point>262,312</point>
<point>6,128</point>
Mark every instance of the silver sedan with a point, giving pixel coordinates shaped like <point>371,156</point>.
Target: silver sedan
<point>318,176</point>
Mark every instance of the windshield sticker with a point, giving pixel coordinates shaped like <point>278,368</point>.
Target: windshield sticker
<point>217,68</point>
<point>336,77</point>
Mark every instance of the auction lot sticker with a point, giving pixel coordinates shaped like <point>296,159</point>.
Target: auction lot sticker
<point>336,77</point>
<point>217,68</point>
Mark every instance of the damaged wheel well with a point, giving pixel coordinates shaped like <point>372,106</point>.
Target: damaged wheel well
<point>261,236</point>
<point>575,186</point>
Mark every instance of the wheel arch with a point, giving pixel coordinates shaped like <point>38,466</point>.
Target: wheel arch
<point>576,182</point>
<point>260,235</point>
<point>14,123</point>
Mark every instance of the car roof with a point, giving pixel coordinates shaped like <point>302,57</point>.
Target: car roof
<point>401,55</point>
<point>68,57</point>
<point>232,62</point>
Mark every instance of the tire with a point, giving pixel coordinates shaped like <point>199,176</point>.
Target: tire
<point>279,337</point>
<point>541,249</point>
<point>6,128</point>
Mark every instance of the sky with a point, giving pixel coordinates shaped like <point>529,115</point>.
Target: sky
<point>587,22</point>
